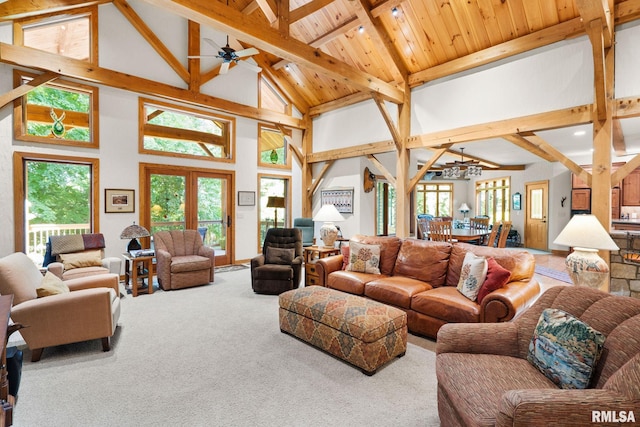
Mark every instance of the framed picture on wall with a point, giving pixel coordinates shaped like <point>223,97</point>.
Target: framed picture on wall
<point>517,201</point>
<point>341,198</point>
<point>119,201</point>
<point>246,198</point>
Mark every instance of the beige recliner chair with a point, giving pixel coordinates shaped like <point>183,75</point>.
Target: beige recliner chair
<point>182,260</point>
<point>88,310</point>
<point>79,255</point>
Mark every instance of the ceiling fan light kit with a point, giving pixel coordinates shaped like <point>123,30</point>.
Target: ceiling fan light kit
<point>462,169</point>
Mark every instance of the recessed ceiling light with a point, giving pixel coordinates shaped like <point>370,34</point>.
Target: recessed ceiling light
<point>579,133</point>
<point>361,29</point>
<point>394,11</point>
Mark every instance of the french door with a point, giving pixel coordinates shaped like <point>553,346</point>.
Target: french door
<point>185,198</point>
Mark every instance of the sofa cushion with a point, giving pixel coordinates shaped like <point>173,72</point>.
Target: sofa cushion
<point>51,285</point>
<point>497,277</point>
<point>364,258</point>
<point>395,290</point>
<point>344,250</point>
<point>565,349</point>
<point>279,255</point>
<point>350,281</point>
<point>521,264</point>
<point>19,276</point>
<point>423,260</point>
<point>446,303</point>
<point>389,247</point>
<point>88,258</point>
<point>183,263</point>
<point>472,275</point>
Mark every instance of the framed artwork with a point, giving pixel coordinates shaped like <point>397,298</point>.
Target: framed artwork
<point>246,198</point>
<point>341,198</point>
<point>119,201</point>
<point>517,201</point>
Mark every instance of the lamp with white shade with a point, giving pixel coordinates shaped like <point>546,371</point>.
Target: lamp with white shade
<point>464,208</point>
<point>586,236</point>
<point>328,214</point>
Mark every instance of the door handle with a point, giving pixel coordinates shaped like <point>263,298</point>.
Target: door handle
<point>228,220</point>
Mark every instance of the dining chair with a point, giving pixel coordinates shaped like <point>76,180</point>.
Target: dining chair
<point>504,233</point>
<point>441,231</point>
<point>491,241</point>
<point>423,226</point>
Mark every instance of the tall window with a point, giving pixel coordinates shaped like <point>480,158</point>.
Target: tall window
<point>492,199</point>
<point>272,147</point>
<point>41,212</point>
<point>434,199</point>
<point>172,130</point>
<point>385,209</point>
<point>271,99</point>
<point>270,217</point>
<point>58,112</point>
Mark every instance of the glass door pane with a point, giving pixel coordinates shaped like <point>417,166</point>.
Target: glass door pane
<point>168,202</point>
<point>212,213</point>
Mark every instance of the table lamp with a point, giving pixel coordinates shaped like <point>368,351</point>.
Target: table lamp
<point>328,214</point>
<point>464,208</point>
<point>275,202</point>
<point>133,232</point>
<point>586,236</point>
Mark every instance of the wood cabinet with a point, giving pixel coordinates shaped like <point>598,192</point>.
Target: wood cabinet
<point>631,189</point>
<point>615,203</point>
<point>581,199</point>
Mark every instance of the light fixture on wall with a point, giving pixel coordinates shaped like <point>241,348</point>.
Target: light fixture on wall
<point>586,236</point>
<point>275,202</point>
<point>462,168</point>
<point>133,232</point>
<point>328,214</point>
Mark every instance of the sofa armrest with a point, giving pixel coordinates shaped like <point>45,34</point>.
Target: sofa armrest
<point>537,407</point>
<point>56,268</point>
<point>326,266</point>
<point>113,264</point>
<point>509,301</point>
<point>111,281</point>
<point>478,338</point>
<point>257,261</point>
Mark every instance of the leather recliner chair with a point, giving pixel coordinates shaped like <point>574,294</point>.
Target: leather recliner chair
<point>278,268</point>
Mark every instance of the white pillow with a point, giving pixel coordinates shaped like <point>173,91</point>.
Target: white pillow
<point>472,275</point>
<point>364,258</point>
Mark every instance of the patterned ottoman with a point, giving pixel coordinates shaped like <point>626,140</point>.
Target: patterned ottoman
<point>360,331</point>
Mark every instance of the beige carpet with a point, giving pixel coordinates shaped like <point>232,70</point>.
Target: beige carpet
<point>215,356</point>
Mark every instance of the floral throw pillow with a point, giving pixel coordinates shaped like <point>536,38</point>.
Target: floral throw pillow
<point>472,275</point>
<point>364,258</point>
<point>565,349</point>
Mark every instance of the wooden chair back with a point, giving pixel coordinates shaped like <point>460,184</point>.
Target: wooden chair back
<point>504,233</point>
<point>494,233</point>
<point>440,231</point>
<point>479,223</point>
<point>423,228</point>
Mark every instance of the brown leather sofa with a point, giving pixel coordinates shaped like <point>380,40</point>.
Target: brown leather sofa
<point>420,277</point>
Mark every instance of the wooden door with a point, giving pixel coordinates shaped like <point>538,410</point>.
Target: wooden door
<point>536,229</point>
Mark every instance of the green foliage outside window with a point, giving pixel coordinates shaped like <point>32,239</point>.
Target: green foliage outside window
<point>60,100</point>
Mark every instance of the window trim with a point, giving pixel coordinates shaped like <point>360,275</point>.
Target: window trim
<point>19,194</point>
<point>437,191</point>
<point>19,108</point>
<point>231,140</point>
<point>506,202</point>
<point>287,150</point>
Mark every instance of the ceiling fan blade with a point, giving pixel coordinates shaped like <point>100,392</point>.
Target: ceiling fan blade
<point>249,66</point>
<point>224,68</point>
<point>247,52</point>
<point>212,43</point>
<point>201,56</point>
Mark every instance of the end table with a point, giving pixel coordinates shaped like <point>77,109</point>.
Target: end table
<point>138,268</point>
<point>311,255</point>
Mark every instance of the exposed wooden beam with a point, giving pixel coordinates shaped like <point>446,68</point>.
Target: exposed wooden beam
<point>395,134</point>
<point>265,7</point>
<point>627,107</point>
<point>283,17</point>
<point>425,167</point>
<point>619,145</point>
<point>37,59</point>
<point>18,9</point>
<point>252,31</point>
<point>193,49</point>
<point>339,103</point>
<point>547,36</point>
<point>627,11</point>
<point>319,177</point>
<point>308,9</point>
<point>524,143</point>
<point>353,151</point>
<point>27,87</point>
<point>152,39</point>
<point>595,33</point>
<point>597,10</point>
<point>384,171</point>
<point>297,153</point>
<point>624,170</point>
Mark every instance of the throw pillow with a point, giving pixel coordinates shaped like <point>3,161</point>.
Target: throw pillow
<point>364,258</point>
<point>91,258</point>
<point>497,277</point>
<point>344,250</point>
<point>472,275</point>
<point>279,255</point>
<point>565,349</point>
<point>51,285</point>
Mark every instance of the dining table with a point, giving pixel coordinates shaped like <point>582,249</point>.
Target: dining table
<point>468,234</point>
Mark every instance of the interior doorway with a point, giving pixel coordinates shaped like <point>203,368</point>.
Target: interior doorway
<point>536,227</point>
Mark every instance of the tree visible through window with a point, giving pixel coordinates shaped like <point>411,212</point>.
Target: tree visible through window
<point>434,199</point>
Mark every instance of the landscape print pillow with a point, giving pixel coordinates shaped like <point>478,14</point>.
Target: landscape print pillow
<point>565,349</point>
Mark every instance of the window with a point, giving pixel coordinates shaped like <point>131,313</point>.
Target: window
<point>41,212</point>
<point>492,199</point>
<point>270,217</point>
<point>73,35</point>
<point>272,147</point>
<point>434,199</point>
<point>385,209</point>
<point>58,112</point>
<point>271,99</point>
<point>171,130</point>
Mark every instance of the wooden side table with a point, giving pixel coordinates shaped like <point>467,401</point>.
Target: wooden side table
<point>138,268</point>
<point>311,255</point>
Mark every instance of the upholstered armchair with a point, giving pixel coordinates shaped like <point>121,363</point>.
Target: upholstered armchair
<point>79,255</point>
<point>56,312</point>
<point>182,260</point>
<point>278,268</point>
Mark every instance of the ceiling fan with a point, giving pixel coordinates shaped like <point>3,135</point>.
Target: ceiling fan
<point>229,55</point>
